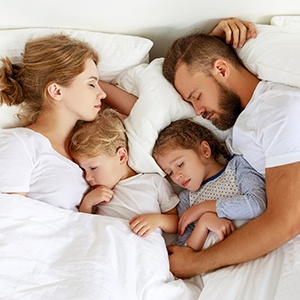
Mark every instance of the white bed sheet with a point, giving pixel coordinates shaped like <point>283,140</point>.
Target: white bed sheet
<point>50,253</point>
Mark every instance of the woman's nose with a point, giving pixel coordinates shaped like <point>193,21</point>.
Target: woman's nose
<point>101,94</point>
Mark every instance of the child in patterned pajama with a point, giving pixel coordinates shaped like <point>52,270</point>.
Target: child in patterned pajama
<point>217,188</point>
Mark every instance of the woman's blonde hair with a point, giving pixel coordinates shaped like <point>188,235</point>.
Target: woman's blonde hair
<point>55,58</point>
<point>187,134</point>
<point>103,136</point>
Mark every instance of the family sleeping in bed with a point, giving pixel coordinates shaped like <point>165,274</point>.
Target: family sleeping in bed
<point>58,85</point>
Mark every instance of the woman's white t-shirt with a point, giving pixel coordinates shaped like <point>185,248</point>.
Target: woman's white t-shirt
<point>29,164</point>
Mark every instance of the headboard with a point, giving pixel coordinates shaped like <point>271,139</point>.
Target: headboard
<point>162,21</point>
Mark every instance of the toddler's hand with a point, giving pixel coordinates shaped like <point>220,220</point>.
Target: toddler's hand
<point>101,194</point>
<point>144,224</point>
<point>221,226</point>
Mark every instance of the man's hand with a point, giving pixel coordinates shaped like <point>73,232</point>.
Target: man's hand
<point>235,31</point>
<point>182,260</point>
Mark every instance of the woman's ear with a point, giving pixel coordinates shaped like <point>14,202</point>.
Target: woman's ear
<point>54,91</point>
<point>205,149</point>
<point>122,154</point>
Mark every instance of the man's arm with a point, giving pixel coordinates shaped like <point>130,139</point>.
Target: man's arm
<point>278,224</point>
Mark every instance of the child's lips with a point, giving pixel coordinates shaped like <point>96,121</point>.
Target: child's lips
<point>185,183</point>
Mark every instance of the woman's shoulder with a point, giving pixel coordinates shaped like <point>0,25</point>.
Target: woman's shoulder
<point>17,131</point>
<point>21,135</point>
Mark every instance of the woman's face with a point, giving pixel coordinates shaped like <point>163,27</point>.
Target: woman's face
<point>82,99</point>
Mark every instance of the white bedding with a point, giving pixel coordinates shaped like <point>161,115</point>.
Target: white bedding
<point>50,253</point>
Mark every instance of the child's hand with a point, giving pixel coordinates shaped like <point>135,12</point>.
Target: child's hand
<point>144,224</point>
<point>193,213</point>
<point>221,226</point>
<point>101,194</point>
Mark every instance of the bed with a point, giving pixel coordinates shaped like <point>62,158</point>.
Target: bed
<point>51,253</point>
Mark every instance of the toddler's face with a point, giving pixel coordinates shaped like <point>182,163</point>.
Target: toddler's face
<point>185,167</point>
<point>101,170</point>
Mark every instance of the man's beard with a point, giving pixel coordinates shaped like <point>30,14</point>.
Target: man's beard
<point>230,108</point>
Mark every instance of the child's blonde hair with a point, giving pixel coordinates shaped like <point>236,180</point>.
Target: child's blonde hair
<point>103,136</point>
<point>54,58</point>
<point>187,134</point>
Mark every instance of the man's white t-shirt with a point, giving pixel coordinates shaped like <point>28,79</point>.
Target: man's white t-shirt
<point>29,164</point>
<point>267,132</point>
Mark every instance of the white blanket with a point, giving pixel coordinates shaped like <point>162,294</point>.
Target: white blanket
<point>50,253</point>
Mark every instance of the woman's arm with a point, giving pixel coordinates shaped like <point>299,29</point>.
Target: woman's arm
<point>117,98</point>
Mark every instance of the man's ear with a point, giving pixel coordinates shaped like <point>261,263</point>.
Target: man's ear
<point>205,149</point>
<point>122,154</point>
<point>221,69</point>
<point>54,91</point>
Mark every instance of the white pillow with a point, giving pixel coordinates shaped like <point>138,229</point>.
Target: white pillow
<point>117,53</point>
<point>292,23</point>
<point>273,55</point>
<point>158,105</point>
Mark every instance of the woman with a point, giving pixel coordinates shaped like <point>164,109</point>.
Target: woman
<point>57,84</point>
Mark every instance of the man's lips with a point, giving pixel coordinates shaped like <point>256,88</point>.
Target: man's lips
<point>208,115</point>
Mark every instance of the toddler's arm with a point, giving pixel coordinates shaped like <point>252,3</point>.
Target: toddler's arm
<point>209,222</point>
<point>145,224</point>
<point>98,195</point>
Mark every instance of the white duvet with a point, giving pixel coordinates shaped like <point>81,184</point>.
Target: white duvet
<point>50,253</point>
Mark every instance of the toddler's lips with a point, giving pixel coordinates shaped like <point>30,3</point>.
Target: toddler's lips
<point>185,183</point>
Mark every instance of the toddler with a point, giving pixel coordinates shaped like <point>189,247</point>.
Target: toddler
<point>216,187</point>
<point>146,200</point>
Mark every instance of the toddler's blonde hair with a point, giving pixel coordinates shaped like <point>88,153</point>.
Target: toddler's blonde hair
<point>103,136</point>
